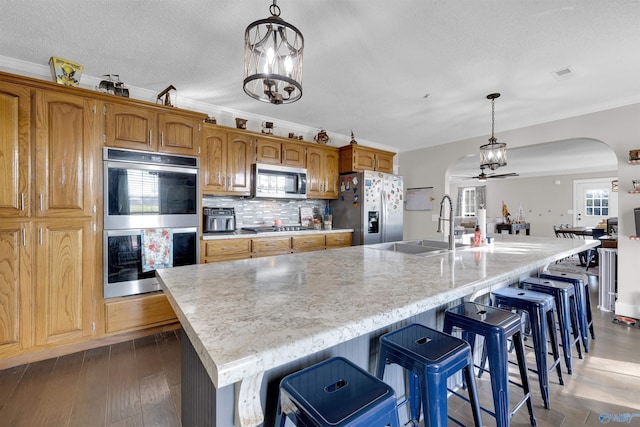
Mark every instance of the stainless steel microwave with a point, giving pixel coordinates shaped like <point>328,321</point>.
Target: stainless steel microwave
<point>283,182</point>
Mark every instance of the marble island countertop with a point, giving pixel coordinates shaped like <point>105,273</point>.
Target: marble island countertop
<point>248,316</point>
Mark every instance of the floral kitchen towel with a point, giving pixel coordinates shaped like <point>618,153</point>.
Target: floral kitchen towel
<point>157,248</point>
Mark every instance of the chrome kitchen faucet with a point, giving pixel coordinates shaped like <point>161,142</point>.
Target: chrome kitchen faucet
<point>441,219</point>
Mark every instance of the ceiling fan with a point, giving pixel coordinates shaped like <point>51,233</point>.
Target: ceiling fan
<point>483,176</point>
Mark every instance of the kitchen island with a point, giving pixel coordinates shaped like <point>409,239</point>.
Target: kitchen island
<point>249,322</point>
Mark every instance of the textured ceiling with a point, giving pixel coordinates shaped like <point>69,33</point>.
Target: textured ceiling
<point>367,64</point>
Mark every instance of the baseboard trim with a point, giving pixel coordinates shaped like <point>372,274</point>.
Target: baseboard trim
<point>37,356</point>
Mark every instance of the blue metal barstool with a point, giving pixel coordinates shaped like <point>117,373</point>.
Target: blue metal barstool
<point>336,392</point>
<point>496,326</point>
<point>540,309</point>
<point>565,298</point>
<point>431,357</point>
<point>581,285</point>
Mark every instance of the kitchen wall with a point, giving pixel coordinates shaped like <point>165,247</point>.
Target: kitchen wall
<point>544,202</point>
<point>617,127</point>
<point>263,211</point>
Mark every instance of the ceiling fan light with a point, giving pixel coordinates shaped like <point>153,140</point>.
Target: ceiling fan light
<point>273,60</point>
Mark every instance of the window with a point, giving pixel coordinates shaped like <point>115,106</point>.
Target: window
<point>468,207</point>
<point>596,202</point>
<point>469,200</point>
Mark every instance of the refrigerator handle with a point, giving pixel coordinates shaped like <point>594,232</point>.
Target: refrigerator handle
<point>383,216</point>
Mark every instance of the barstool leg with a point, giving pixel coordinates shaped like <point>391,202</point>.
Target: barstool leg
<point>538,328</point>
<point>551,323</point>
<point>575,325</point>
<point>497,345</point>
<point>414,398</point>
<point>473,393</point>
<point>524,376</point>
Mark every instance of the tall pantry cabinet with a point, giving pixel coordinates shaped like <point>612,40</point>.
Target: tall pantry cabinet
<point>48,143</point>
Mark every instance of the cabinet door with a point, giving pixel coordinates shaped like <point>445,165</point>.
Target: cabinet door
<point>384,163</point>
<point>65,278</point>
<point>294,154</point>
<point>268,151</point>
<point>65,141</point>
<point>213,165</point>
<point>15,140</point>
<point>239,157</point>
<point>308,243</point>
<point>225,250</point>
<point>270,246</point>
<point>364,159</point>
<point>15,289</point>
<point>315,177</point>
<point>332,176</point>
<point>179,134</point>
<point>131,127</point>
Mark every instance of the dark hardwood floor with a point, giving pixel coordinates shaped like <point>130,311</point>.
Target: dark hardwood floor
<point>133,383</point>
<point>137,383</point>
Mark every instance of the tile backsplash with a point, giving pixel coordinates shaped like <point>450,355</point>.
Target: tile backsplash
<point>250,212</point>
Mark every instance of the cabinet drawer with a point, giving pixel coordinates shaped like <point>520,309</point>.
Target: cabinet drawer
<point>307,243</point>
<point>214,248</point>
<point>138,312</point>
<point>270,246</point>
<point>337,240</point>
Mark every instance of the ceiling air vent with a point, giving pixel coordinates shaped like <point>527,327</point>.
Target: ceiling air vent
<point>563,73</point>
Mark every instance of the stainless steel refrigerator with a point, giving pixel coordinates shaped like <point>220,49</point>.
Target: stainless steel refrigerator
<point>371,203</point>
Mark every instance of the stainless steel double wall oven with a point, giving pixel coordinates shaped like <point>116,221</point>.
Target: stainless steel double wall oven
<point>144,191</point>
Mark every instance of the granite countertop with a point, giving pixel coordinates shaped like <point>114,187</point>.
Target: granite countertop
<point>241,234</point>
<point>245,317</point>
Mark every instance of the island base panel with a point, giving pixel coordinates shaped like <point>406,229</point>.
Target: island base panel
<point>201,403</point>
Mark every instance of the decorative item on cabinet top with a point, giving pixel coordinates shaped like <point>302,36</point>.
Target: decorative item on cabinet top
<point>65,72</point>
<point>322,137</point>
<point>634,155</point>
<point>113,87</point>
<point>168,97</point>
<point>241,123</point>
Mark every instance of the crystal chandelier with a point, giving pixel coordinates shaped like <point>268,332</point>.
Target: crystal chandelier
<point>273,59</point>
<point>494,154</point>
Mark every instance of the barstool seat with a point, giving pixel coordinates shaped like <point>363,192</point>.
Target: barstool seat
<point>565,299</point>
<point>336,392</point>
<point>496,326</point>
<point>540,309</point>
<point>583,300</point>
<point>431,357</point>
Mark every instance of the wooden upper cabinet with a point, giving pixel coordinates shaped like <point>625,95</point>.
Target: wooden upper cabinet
<point>239,160</point>
<point>15,143</point>
<point>322,172</point>
<point>15,288</point>
<point>278,152</point>
<point>179,134</point>
<point>225,162</point>
<point>268,151</point>
<point>65,153</point>
<point>294,154</point>
<point>142,128</point>
<point>65,274</point>
<point>356,158</point>
<point>128,126</point>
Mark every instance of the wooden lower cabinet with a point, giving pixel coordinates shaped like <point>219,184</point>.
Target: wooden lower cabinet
<point>15,288</point>
<point>138,312</point>
<point>242,248</point>
<point>268,246</point>
<point>224,250</point>
<point>64,280</point>
<point>308,243</point>
<point>338,240</point>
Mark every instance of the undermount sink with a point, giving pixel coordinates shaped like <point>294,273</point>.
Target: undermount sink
<point>416,247</point>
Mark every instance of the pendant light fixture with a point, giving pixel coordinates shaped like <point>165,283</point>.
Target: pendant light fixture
<point>494,154</point>
<point>273,59</point>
